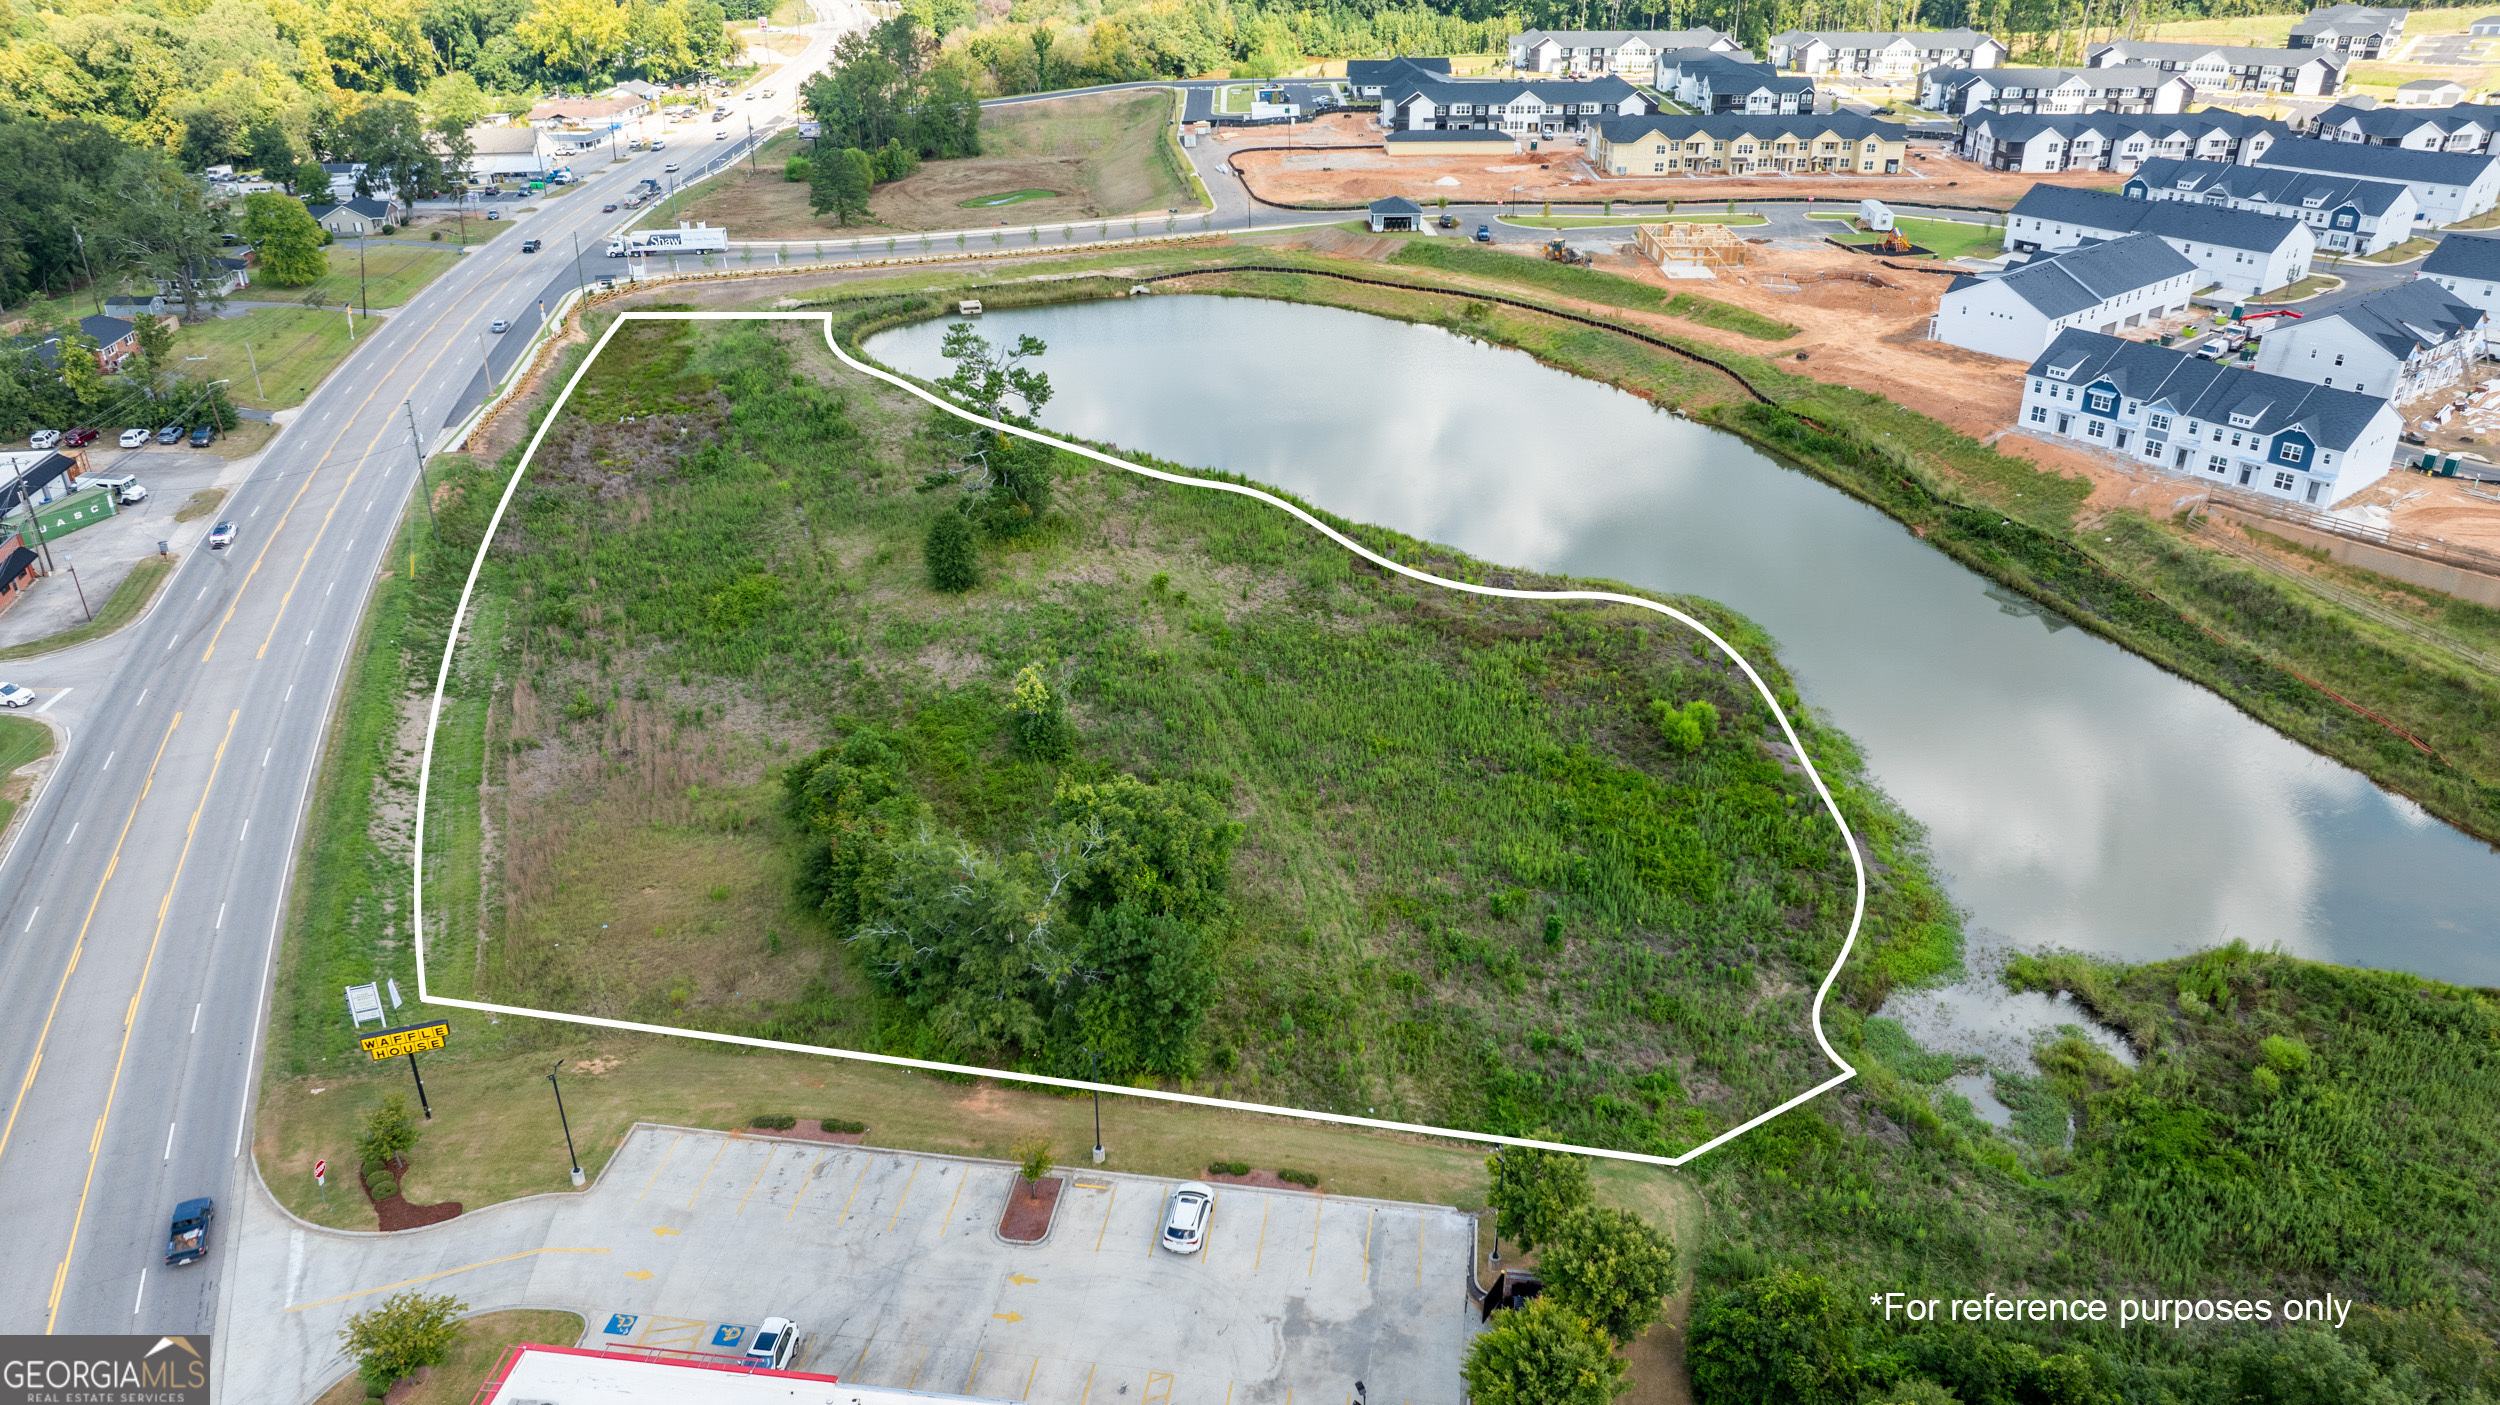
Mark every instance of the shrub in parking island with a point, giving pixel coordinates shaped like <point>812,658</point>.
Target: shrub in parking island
<point>405,1334</point>
<point>775,1122</point>
<point>1308,1180</point>
<point>1228,1168</point>
<point>842,1125</point>
<point>1032,1158</point>
<point>1543,1354</point>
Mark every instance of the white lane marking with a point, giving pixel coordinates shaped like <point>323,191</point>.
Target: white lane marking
<point>169,644</point>
<point>143,697</point>
<point>203,592</point>
<point>256,512</point>
<point>195,1016</point>
<point>221,915</point>
<point>108,762</point>
<point>30,921</point>
<point>246,829</point>
<point>290,694</point>
<point>169,1139</point>
<point>264,757</point>
<point>308,638</point>
<point>143,1292</point>
<point>57,695</point>
<point>351,545</point>
<point>73,833</point>
<point>325,590</point>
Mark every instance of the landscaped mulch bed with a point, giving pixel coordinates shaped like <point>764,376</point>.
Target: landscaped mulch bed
<point>397,1213</point>
<point>1030,1206</point>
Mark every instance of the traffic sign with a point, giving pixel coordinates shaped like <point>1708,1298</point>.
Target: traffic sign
<point>407,1039</point>
<point>321,1169</point>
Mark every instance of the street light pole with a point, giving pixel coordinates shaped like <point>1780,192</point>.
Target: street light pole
<point>570,1154</point>
<point>1094,1061</point>
<point>424,489</point>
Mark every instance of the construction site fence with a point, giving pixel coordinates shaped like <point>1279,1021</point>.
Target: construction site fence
<point>2411,543</point>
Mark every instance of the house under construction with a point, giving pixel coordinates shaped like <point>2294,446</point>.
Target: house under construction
<point>1699,245</point>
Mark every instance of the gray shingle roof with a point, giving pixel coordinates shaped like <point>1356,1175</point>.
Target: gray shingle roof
<point>2137,50</point>
<point>1396,205</point>
<point>2115,214</point>
<point>2346,158</point>
<point>1772,125</point>
<point>2393,123</point>
<point>2089,276</point>
<point>1444,91</point>
<point>2308,190</point>
<point>2465,256</point>
<point>2181,384</point>
<point>2195,126</point>
<point>2406,317</point>
<point>1366,72</point>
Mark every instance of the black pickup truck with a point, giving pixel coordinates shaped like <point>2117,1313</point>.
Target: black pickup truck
<point>189,1239</point>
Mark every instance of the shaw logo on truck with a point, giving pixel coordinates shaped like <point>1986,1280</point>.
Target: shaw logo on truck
<point>684,239</point>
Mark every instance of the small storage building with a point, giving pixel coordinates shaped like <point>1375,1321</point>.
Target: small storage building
<point>1396,215</point>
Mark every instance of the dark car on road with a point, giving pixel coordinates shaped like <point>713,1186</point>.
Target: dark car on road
<point>203,435</point>
<point>529,246</point>
<point>189,1239</point>
<point>170,434</point>
<point>608,209</point>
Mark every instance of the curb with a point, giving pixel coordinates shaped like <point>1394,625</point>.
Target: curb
<point>1056,1200</point>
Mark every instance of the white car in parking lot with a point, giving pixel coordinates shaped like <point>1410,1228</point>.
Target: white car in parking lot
<point>136,438</point>
<point>44,438</point>
<point>1185,1221</point>
<point>772,1345</point>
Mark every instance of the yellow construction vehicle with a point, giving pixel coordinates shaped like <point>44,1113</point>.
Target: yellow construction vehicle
<point>1556,251</point>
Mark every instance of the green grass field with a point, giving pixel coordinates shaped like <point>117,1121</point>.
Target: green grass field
<point>390,274</point>
<point>21,741</point>
<point>1947,238</point>
<point>120,608</point>
<point>293,349</point>
<point>1590,284</point>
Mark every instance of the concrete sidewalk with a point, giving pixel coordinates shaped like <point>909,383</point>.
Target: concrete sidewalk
<point>889,1263</point>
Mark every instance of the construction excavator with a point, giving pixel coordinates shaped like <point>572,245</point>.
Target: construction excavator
<point>1556,251</point>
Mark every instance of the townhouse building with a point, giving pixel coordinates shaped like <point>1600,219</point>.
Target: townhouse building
<point>1711,82</point>
<point>2243,429</point>
<point>2242,250</point>
<point>2111,141</point>
<point>1625,53</point>
<point>2211,68</point>
<point>2467,266</point>
<point>2345,214</point>
<point>2448,185</point>
<point>1370,77</point>
<point>1898,54</point>
<point>2107,287</point>
<point>2402,342</point>
<point>2053,91</point>
<point>1522,108</point>
<point>1736,144</point>
<point>2466,129</point>
<point>2356,30</point>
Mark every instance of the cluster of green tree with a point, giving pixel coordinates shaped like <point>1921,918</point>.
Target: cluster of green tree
<point>68,385</point>
<point>1606,1274</point>
<point>1055,45</point>
<point>206,80</point>
<point>888,101</point>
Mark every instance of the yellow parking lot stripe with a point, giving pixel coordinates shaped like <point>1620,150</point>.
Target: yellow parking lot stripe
<point>863,1353</point>
<point>951,1202</point>
<point>1028,1379</point>
<point>915,1370</point>
<point>707,1173</point>
<point>751,1185</point>
<point>906,1195</point>
<point>446,1273</point>
<point>974,1374</point>
<point>1106,1218</point>
<point>1089,1387</point>
<point>655,1171</point>
<point>809,1179</point>
<point>854,1195</point>
<point>1206,1238</point>
<point>1313,1270</point>
<point>1266,1203</point>
<point>1368,1217</point>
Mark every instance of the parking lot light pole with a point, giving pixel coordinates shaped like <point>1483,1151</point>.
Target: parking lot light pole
<point>574,1156</point>
<point>1094,1061</point>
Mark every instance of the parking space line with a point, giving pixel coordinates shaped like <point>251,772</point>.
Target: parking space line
<point>707,1173</point>
<point>810,1177</point>
<point>444,1273</point>
<point>863,1353</point>
<point>655,1171</point>
<point>1028,1379</point>
<point>1089,1387</point>
<point>1106,1216</point>
<point>1206,1241</point>
<point>915,1370</point>
<point>974,1374</point>
<point>1322,1209</point>
<point>898,1201</point>
<point>1152,1378</point>
<point>854,1195</point>
<point>759,1178</point>
<point>1266,1203</point>
<point>951,1202</point>
<point>1368,1217</point>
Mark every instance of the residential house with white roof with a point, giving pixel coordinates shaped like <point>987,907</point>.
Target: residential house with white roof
<point>1737,144</point>
<point>1625,53</point>
<point>2111,141</point>
<point>2107,287</point>
<point>2346,214</point>
<point>2220,68</point>
<point>2053,91</point>
<point>1897,54</point>
<point>2449,185</point>
<point>2402,342</point>
<point>2242,429</point>
<point>2242,250</point>
<point>1521,107</point>
<point>2468,266</point>
<point>2357,30</point>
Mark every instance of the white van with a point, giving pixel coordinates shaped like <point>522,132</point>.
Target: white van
<point>124,488</point>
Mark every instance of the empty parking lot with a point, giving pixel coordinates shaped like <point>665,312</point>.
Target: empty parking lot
<point>889,1263</point>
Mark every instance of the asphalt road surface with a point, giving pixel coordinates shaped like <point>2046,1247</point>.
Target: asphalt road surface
<point>140,906</point>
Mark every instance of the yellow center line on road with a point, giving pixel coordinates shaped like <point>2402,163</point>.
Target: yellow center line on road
<point>1106,1217</point>
<point>656,1170</point>
<point>156,941</point>
<point>950,1212</point>
<point>751,1185</point>
<point>79,946</point>
<point>906,1195</point>
<point>444,1273</point>
<point>707,1173</point>
<point>810,1178</point>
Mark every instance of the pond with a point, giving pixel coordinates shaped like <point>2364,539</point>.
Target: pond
<point>2074,795</point>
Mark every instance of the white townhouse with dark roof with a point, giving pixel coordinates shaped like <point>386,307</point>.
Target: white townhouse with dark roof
<point>2211,68</point>
<point>2402,342</point>
<point>1528,107</point>
<point>2466,129</point>
<point>2233,428</point>
<point>2053,91</point>
<point>1897,54</point>
<point>2468,266</point>
<point>2238,249</point>
<point>2345,214</point>
<point>2110,141</point>
<point>1625,53</point>
<point>2358,30</point>
<point>2450,186</point>
<point>2107,287</point>
<point>1710,82</point>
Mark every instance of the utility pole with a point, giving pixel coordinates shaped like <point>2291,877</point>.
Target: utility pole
<point>82,593</point>
<point>580,280</point>
<point>33,523</point>
<point>247,355</point>
<point>364,294</point>
<point>751,169</point>
<point>424,489</point>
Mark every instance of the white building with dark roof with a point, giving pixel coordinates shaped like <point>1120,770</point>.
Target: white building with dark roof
<point>2103,287</point>
<point>2486,27</point>
<point>1625,53</point>
<point>2358,30</point>
<point>2466,129</point>
<point>2430,92</point>
<point>2402,342</point>
<point>2242,250</point>
<point>2053,91</point>
<point>2468,266</point>
<point>2234,428</point>
<point>2219,68</point>
<point>1522,107</point>
<point>2345,214</point>
<point>2111,141</point>
<point>1709,82</point>
<point>1895,54</point>
<point>2449,186</point>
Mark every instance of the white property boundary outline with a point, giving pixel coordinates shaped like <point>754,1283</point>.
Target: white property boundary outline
<point>442,678</point>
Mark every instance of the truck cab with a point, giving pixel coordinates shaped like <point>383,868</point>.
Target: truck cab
<point>188,1240</point>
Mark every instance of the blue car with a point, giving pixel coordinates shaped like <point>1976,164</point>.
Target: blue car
<point>170,434</point>
<point>188,1241</point>
<point>1484,234</point>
